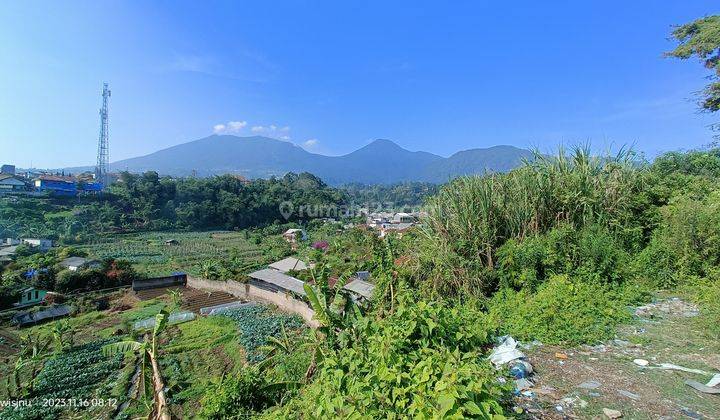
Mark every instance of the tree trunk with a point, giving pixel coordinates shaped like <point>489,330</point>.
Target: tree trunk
<point>161,408</point>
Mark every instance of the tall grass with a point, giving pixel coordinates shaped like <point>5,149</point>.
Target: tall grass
<point>472,216</point>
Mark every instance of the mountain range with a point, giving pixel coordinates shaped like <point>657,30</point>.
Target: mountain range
<point>380,162</point>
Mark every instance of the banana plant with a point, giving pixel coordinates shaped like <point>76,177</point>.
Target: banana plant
<point>276,348</point>
<point>62,336</point>
<point>33,350</point>
<point>147,354</point>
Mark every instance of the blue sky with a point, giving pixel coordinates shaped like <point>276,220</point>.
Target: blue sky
<point>332,76</point>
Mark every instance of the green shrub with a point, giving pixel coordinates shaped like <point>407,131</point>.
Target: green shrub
<point>592,254</point>
<point>706,293</point>
<point>424,360</point>
<point>561,312</point>
<point>685,245</point>
<point>236,397</point>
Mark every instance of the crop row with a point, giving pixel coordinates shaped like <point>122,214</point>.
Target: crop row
<point>257,323</point>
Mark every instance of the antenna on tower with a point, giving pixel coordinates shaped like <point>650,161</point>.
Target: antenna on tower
<point>102,168</point>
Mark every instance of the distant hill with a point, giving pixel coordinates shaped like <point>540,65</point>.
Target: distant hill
<point>380,162</point>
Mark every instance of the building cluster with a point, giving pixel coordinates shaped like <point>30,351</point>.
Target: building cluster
<point>385,222</point>
<point>277,278</point>
<point>9,246</point>
<point>41,183</point>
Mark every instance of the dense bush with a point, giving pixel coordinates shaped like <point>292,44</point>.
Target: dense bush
<point>472,217</point>
<point>591,254</point>
<point>561,312</point>
<point>237,397</point>
<point>425,361</point>
<point>687,242</point>
<point>706,293</point>
<point>111,274</point>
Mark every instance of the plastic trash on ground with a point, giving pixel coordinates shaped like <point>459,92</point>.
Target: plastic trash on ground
<point>506,351</point>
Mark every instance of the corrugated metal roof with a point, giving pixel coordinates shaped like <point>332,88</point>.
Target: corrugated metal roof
<point>289,263</point>
<point>361,287</point>
<point>75,262</point>
<point>280,280</point>
<point>24,318</point>
<point>56,178</point>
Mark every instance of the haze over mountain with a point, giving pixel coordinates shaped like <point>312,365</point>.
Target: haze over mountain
<point>380,162</point>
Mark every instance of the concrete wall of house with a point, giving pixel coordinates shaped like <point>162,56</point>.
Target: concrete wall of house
<point>31,297</point>
<point>282,300</point>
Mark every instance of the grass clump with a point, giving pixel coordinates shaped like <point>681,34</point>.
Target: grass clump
<point>561,312</point>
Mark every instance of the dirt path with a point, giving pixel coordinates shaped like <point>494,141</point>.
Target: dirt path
<point>581,382</point>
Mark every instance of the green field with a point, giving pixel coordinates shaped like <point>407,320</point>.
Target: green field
<point>151,256</point>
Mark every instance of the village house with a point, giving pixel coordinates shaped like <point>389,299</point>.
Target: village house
<point>56,185</point>
<point>31,296</point>
<point>7,252</point>
<point>290,264</point>
<point>360,290</point>
<point>10,183</point>
<point>43,244</point>
<point>403,218</point>
<point>79,263</point>
<point>276,281</point>
<point>291,235</point>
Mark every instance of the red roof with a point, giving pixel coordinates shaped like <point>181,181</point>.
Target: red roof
<point>56,178</point>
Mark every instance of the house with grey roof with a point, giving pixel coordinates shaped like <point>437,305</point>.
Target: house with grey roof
<point>290,264</point>
<point>276,281</point>
<point>360,289</point>
<point>79,263</point>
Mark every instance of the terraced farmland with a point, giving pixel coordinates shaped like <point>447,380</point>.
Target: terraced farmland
<point>150,253</point>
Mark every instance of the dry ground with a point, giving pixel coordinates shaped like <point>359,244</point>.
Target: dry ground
<point>605,376</point>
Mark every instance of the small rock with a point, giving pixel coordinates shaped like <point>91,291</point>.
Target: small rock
<point>589,385</point>
<point>641,362</point>
<point>690,413</point>
<point>612,414</point>
<point>629,394</point>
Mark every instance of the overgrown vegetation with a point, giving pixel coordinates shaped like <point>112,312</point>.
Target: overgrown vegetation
<point>558,250</point>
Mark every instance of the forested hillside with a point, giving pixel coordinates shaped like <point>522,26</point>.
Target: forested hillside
<point>150,202</point>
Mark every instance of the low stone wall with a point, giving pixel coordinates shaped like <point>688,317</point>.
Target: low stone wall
<point>249,292</point>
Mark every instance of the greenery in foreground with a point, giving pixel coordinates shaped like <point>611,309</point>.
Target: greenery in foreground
<point>557,250</point>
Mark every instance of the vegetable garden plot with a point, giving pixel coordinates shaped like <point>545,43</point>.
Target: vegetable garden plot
<point>80,374</point>
<point>192,248</point>
<point>257,323</point>
<point>192,299</point>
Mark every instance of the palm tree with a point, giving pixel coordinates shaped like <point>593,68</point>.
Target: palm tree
<point>147,353</point>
